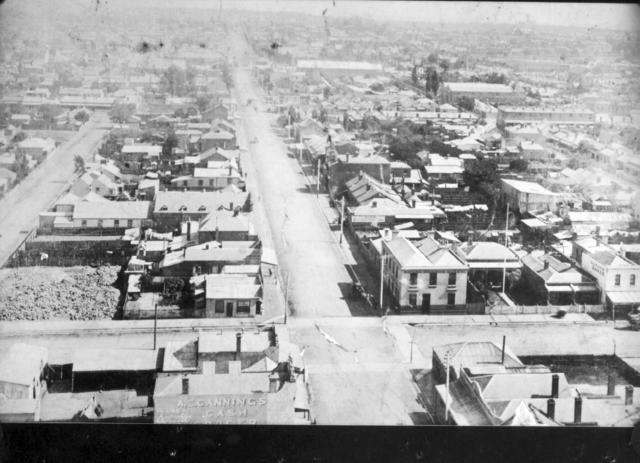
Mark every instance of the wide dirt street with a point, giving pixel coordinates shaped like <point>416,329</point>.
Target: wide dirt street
<point>20,207</point>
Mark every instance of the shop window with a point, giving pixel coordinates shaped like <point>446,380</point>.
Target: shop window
<point>219,307</point>
<point>243,307</point>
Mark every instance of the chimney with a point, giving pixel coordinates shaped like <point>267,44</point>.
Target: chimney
<point>413,203</point>
<point>348,159</point>
<point>189,230</point>
<point>230,205</point>
<point>185,385</point>
<point>555,385</point>
<point>218,235</point>
<point>470,240</point>
<point>238,345</point>
<point>551,408</point>
<point>274,383</point>
<point>230,170</point>
<point>628,395</point>
<point>611,385</point>
<point>546,264</point>
<point>360,175</point>
<point>577,410</point>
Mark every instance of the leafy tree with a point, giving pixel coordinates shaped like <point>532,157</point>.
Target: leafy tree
<point>122,112</point>
<point>496,78</point>
<point>377,87</point>
<point>573,163</point>
<point>226,76</point>
<point>322,117</point>
<point>170,142</point>
<point>481,177</point>
<point>326,92</point>
<point>203,102</point>
<point>432,57</point>
<point>19,137</point>
<point>444,65</point>
<point>519,165</point>
<point>432,81</point>
<point>414,75</point>
<point>22,166</point>
<point>78,162</point>
<point>82,116</point>
<point>174,81</point>
<point>466,103</point>
<point>173,287</point>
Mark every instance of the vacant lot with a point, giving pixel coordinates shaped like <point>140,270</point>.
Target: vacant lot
<point>58,293</point>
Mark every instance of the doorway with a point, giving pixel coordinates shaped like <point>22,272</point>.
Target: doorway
<point>229,309</point>
<point>426,303</point>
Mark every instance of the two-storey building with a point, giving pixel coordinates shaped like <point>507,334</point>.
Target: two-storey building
<point>424,276</point>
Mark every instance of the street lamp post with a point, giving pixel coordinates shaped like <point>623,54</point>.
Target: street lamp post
<point>382,259</point>
<point>341,218</point>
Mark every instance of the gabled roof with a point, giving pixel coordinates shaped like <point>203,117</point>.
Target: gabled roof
<point>224,286</point>
<point>197,201</point>
<point>217,134</point>
<point>486,251</point>
<point>520,385</point>
<point>112,210</point>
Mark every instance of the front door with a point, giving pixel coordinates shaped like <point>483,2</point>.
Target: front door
<point>426,303</point>
<point>229,309</point>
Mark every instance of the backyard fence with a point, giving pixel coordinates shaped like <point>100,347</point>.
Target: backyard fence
<point>544,309</point>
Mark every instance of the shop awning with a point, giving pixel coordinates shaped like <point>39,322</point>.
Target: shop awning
<point>624,297</point>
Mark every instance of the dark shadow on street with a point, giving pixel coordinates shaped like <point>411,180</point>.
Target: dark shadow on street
<point>358,305</point>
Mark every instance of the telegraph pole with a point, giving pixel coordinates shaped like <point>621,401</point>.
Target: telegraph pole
<point>341,218</point>
<point>155,325</point>
<point>382,259</point>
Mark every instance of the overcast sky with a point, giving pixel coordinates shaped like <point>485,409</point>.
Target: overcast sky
<point>604,15</point>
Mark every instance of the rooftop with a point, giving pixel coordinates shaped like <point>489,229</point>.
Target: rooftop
<point>477,87</point>
<point>112,210</point>
<point>22,363</point>
<point>527,187</point>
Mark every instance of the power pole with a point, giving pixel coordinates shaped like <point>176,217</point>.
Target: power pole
<point>447,403</point>
<point>504,266</point>
<point>382,259</point>
<point>318,180</point>
<point>155,325</point>
<point>341,218</point>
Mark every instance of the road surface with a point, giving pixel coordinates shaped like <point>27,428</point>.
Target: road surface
<point>20,207</point>
<point>309,257</point>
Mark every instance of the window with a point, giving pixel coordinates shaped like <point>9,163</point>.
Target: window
<point>413,300</point>
<point>617,279</point>
<point>164,207</point>
<point>219,307</point>
<point>200,182</point>
<point>129,223</point>
<point>632,280</point>
<point>202,208</point>
<point>99,222</point>
<point>452,279</point>
<point>451,299</point>
<point>185,183</point>
<point>413,279</point>
<point>243,307</point>
<point>84,223</point>
<point>116,223</point>
<point>433,279</point>
<point>97,189</point>
<point>182,208</point>
<point>210,182</point>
